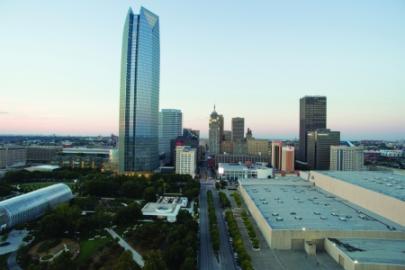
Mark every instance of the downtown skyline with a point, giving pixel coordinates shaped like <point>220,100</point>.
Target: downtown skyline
<point>74,88</point>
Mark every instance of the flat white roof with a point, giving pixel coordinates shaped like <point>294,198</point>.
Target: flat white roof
<point>293,203</point>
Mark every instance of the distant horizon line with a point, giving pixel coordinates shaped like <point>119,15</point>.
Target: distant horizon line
<point>267,138</point>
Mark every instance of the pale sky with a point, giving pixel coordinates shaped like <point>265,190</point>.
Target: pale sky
<point>60,64</point>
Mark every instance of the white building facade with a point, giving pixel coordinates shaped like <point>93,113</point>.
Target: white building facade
<point>345,158</point>
<point>186,160</point>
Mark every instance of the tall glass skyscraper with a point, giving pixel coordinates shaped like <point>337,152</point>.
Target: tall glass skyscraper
<point>312,117</point>
<point>170,127</point>
<point>139,93</point>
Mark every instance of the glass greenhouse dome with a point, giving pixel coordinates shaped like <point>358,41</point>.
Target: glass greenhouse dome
<point>31,205</point>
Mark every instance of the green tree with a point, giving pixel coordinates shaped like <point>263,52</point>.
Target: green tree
<point>125,262</point>
<point>128,215</point>
<point>154,261</point>
<point>149,194</point>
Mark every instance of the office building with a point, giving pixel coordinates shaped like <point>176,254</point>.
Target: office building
<point>227,135</point>
<point>139,94</point>
<point>318,148</point>
<point>189,138</point>
<point>287,159</point>
<point>312,117</point>
<point>238,129</point>
<point>244,158</point>
<point>260,147</point>
<point>83,158</point>
<point>170,127</point>
<point>29,206</point>
<point>216,130</point>
<point>346,158</point>
<point>42,153</point>
<point>249,134</point>
<point>12,156</point>
<point>186,160</point>
<point>227,147</point>
<point>240,147</point>
<point>276,154</point>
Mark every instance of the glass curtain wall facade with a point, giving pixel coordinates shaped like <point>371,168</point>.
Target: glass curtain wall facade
<point>312,117</point>
<point>139,93</point>
<point>170,127</point>
<point>32,205</point>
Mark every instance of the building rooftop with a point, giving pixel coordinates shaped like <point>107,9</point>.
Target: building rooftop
<point>291,202</point>
<point>242,167</point>
<point>373,250</point>
<point>387,183</point>
<point>42,168</point>
<point>87,151</point>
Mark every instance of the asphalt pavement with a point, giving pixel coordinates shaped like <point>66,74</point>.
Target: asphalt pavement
<point>207,257</point>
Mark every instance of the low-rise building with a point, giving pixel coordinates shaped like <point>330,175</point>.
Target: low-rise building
<point>29,206</point>
<point>165,207</point>
<point>235,158</point>
<point>42,153</point>
<point>12,156</point>
<point>233,172</point>
<point>80,157</point>
<point>294,214</point>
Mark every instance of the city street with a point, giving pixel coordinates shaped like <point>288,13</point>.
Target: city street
<point>207,257</point>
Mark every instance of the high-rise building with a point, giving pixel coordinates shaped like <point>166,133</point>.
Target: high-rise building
<point>249,134</point>
<point>319,143</point>
<point>170,127</point>
<point>346,158</point>
<point>287,160</point>
<point>216,130</point>
<point>139,94</point>
<point>227,147</point>
<point>186,158</point>
<point>189,138</point>
<point>276,154</point>
<point>227,135</point>
<point>238,129</point>
<point>312,117</point>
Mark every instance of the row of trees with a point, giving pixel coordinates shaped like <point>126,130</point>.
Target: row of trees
<point>250,229</point>
<point>237,198</point>
<point>224,200</point>
<point>213,223</point>
<point>243,257</point>
<point>5,189</point>
<point>63,174</point>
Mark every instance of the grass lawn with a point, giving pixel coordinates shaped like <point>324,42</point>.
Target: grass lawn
<point>89,247</point>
